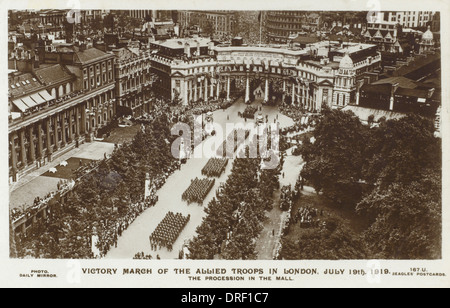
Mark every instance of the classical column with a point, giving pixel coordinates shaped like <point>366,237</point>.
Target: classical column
<point>302,93</point>
<point>211,89</point>
<point>70,125</point>
<point>55,131</point>
<point>40,143</point>
<point>293,93</point>
<point>49,139</point>
<point>217,88</point>
<point>190,90</point>
<point>83,119</point>
<point>206,89</point>
<point>308,99</point>
<point>23,153</point>
<point>31,144</point>
<point>284,91</point>
<point>63,128</point>
<point>108,109</point>
<point>13,153</point>
<point>266,93</point>
<point>315,100</point>
<point>247,89</point>
<point>228,88</point>
<point>97,122</point>
<point>185,92</point>
<point>195,90</point>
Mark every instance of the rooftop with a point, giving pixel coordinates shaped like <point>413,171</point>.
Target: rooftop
<point>90,55</point>
<point>402,82</point>
<point>363,113</point>
<point>180,43</point>
<point>23,84</point>
<point>52,74</point>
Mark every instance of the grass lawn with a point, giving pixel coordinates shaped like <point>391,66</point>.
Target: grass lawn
<point>330,210</point>
<point>121,135</point>
<point>68,172</point>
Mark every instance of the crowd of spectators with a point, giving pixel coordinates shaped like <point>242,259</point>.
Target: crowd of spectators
<point>308,217</point>
<point>110,230</point>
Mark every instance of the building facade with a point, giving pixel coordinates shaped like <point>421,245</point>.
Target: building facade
<point>220,23</point>
<point>58,105</point>
<point>402,95</point>
<point>280,25</point>
<point>384,34</point>
<point>324,73</point>
<point>134,80</point>
<point>407,19</point>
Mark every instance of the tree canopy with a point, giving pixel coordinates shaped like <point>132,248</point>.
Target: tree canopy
<point>389,174</point>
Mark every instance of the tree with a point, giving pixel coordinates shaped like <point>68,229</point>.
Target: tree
<point>334,162</point>
<point>407,219</point>
<point>97,24</point>
<point>400,150</point>
<point>332,241</point>
<point>208,28</point>
<point>109,22</point>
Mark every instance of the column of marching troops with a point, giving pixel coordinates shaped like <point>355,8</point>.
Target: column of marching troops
<point>169,229</point>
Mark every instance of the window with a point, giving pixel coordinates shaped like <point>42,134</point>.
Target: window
<point>92,83</point>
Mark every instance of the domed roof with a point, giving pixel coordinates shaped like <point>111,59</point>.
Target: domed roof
<point>346,62</point>
<point>428,35</point>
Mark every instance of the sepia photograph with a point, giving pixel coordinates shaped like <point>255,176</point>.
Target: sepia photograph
<point>224,135</point>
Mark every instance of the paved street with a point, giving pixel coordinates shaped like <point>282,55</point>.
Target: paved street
<point>136,238</point>
<point>270,236</point>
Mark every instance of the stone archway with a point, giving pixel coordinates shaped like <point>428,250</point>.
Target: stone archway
<point>237,85</point>
<point>256,89</point>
